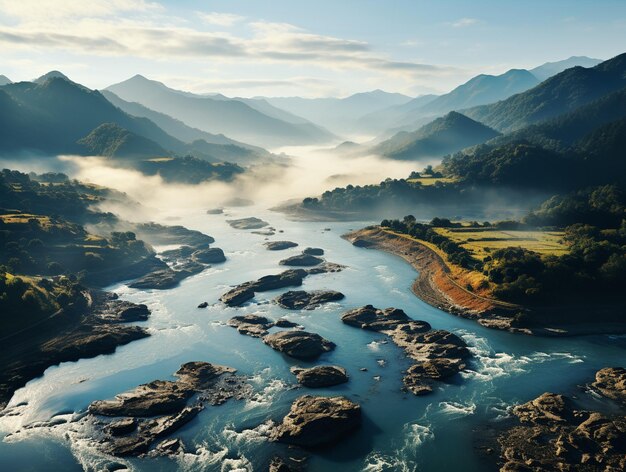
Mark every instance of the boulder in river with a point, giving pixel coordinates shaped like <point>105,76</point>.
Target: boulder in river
<point>279,245</point>
<point>299,344</point>
<point>316,421</point>
<point>248,223</point>
<point>209,255</point>
<point>215,211</point>
<point>320,376</point>
<point>302,300</point>
<point>251,325</point>
<point>313,251</point>
<point>302,260</point>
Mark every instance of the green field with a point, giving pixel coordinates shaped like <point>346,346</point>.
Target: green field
<point>481,241</point>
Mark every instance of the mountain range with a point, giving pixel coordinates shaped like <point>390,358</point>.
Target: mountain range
<point>341,115</point>
<point>218,114</point>
<point>52,114</point>
<point>479,90</point>
<point>559,94</point>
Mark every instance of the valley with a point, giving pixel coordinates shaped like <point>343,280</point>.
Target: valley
<point>194,278</point>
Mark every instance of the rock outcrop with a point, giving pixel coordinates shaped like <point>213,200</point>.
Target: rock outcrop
<point>313,251</point>
<point>302,300</point>
<point>316,421</point>
<point>299,344</point>
<point>70,336</point>
<point>248,223</point>
<point>167,278</point>
<point>212,255</point>
<point>289,278</point>
<point>320,376</point>
<point>157,409</point>
<point>553,435</point>
<point>244,292</point>
<point>251,325</point>
<point>611,383</point>
<point>302,260</point>
<point>438,354</point>
<point>279,245</point>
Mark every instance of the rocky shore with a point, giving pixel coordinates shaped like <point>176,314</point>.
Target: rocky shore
<point>436,286</point>
<point>67,337</point>
<point>438,354</point>
<point>433,283</point>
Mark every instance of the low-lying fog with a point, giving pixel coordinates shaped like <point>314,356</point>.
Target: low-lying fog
<point>309,172</point>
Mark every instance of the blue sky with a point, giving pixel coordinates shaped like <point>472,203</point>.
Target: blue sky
<point>310,48</point>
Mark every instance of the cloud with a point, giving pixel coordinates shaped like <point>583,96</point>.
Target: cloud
<point>142,29</point>
<point>221,19</point>
<point>463,22</point>
<point>34,11</point>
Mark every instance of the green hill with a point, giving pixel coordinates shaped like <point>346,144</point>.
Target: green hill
<point>111,140</point>
<point>445,135</point>
<point>555,96</point>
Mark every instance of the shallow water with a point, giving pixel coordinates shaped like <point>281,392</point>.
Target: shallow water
<point>400,431</point>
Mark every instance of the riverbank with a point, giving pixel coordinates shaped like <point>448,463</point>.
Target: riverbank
<point>68,336</point>
<point>437,285</point>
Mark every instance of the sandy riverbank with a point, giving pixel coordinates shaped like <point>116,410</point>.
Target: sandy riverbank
<point>436,286</point>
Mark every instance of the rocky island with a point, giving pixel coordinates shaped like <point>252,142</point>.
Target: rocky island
<point>156,410</point>
<point>302,300</point>
<point>320,376</point>
<point>438,354</point>
<point>317,421</point>
<point>299,344</point>
<point>248,223</point>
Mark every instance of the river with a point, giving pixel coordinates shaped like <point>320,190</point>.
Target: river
<point>437,432</point>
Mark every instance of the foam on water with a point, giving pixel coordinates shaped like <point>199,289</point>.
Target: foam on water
<point>487,365</point>
<point>455,409</point>
<point>380,462</point>
<point>267,389</point>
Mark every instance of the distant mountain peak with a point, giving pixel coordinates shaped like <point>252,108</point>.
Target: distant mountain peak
<point>550,69</point>
<point>445,135</point>
<point>53,74</point>
<point>4,80</point>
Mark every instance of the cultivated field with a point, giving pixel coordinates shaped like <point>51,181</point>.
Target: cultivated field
<point>481,241</point>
